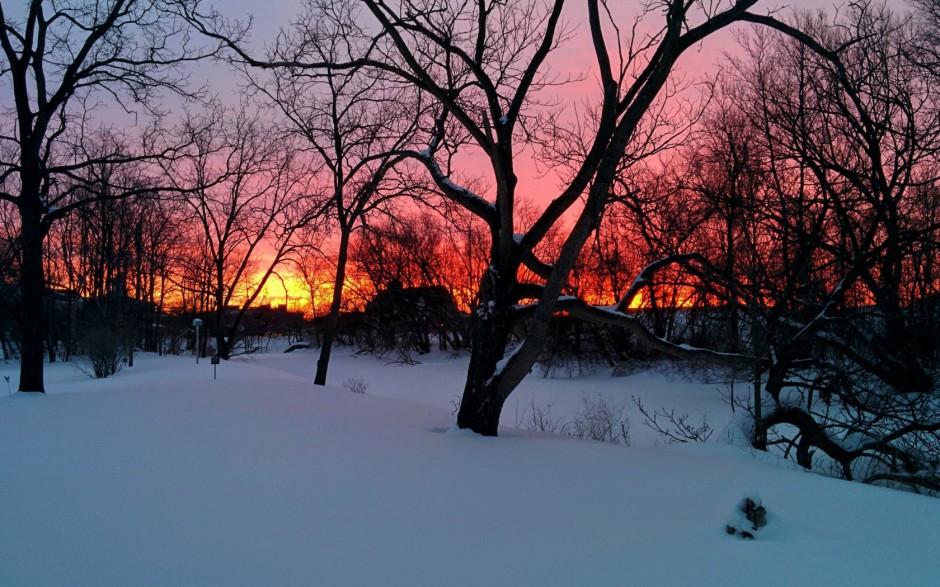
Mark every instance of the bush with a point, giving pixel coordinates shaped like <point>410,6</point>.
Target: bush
<point>102,352</point>
<point>356,385</point>
<point>541,419</point>
<point>673,427</point>
<point>597,419</point>
<point>600,419</point>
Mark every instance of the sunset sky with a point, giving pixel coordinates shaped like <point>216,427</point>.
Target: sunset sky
<point>574,57</point>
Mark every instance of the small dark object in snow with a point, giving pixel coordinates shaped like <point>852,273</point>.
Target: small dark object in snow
<point>748,519</point>
<point>755,513</point>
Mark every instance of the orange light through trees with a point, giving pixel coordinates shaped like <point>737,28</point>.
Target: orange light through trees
<point>313,298</point>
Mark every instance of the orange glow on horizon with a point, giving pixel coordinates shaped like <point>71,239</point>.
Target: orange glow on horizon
<point>314,299</point>
<point>672,297</point>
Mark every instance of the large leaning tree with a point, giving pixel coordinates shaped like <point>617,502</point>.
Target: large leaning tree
<point>486,65</point>
<point>66,66</point>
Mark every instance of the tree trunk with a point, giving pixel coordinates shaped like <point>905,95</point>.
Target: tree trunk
<point>483,398</point>
<point>32,292</point>
<point>132,343</point>
<point>332,319</point>
<point>222,349</point>
<point>760,431</point>
<point>491,330</point>
<point>4,344</point>
<point>51,345</point>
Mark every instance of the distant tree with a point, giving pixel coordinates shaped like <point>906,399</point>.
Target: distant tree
<point>122,249</point>
<point>407,248</point>
<point>246,190</point>
<point>9,269</point>
<point>414,267</point>
<point>64,65</point>
<point>354,121</point>
<point>312,262</point>
<point>929,37</point>
<point>158,245</point>
<point>467,242</point>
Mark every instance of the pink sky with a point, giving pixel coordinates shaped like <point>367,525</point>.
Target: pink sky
<point>575,56</point>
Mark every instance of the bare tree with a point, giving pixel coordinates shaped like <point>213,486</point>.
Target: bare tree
<point>9,269</point>
<point>63,63</point>
<point>929,33</point>
<point>467,240</point>
<point>311,262</point>
<point>352,120</point>
<point>91,253</point>
<point>246,190</point>
<point>406,248</point>
<point>484,64</point>
<point>850,122</point>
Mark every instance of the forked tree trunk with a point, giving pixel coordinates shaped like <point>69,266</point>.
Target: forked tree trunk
<point>483,398</point>
<point>487,388</point>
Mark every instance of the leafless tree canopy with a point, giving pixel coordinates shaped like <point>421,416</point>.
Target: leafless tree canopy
<point>64,63</point>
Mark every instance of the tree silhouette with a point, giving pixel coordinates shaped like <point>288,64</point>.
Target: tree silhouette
<point>64,64</point>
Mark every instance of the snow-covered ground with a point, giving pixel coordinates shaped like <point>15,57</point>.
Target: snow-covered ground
<point>161,475</point>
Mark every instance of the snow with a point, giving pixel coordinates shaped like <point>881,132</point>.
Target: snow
<point>162,476</point>
<point>502,363</point>
<point>459,190</point>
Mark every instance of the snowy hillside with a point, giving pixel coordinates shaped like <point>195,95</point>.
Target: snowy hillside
<point>162,476</point>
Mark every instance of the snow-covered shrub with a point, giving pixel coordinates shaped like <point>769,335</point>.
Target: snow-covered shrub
<point>356,385</point>
<point>599,418</point>
<point>673,427</point>
<point>541,419</point>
